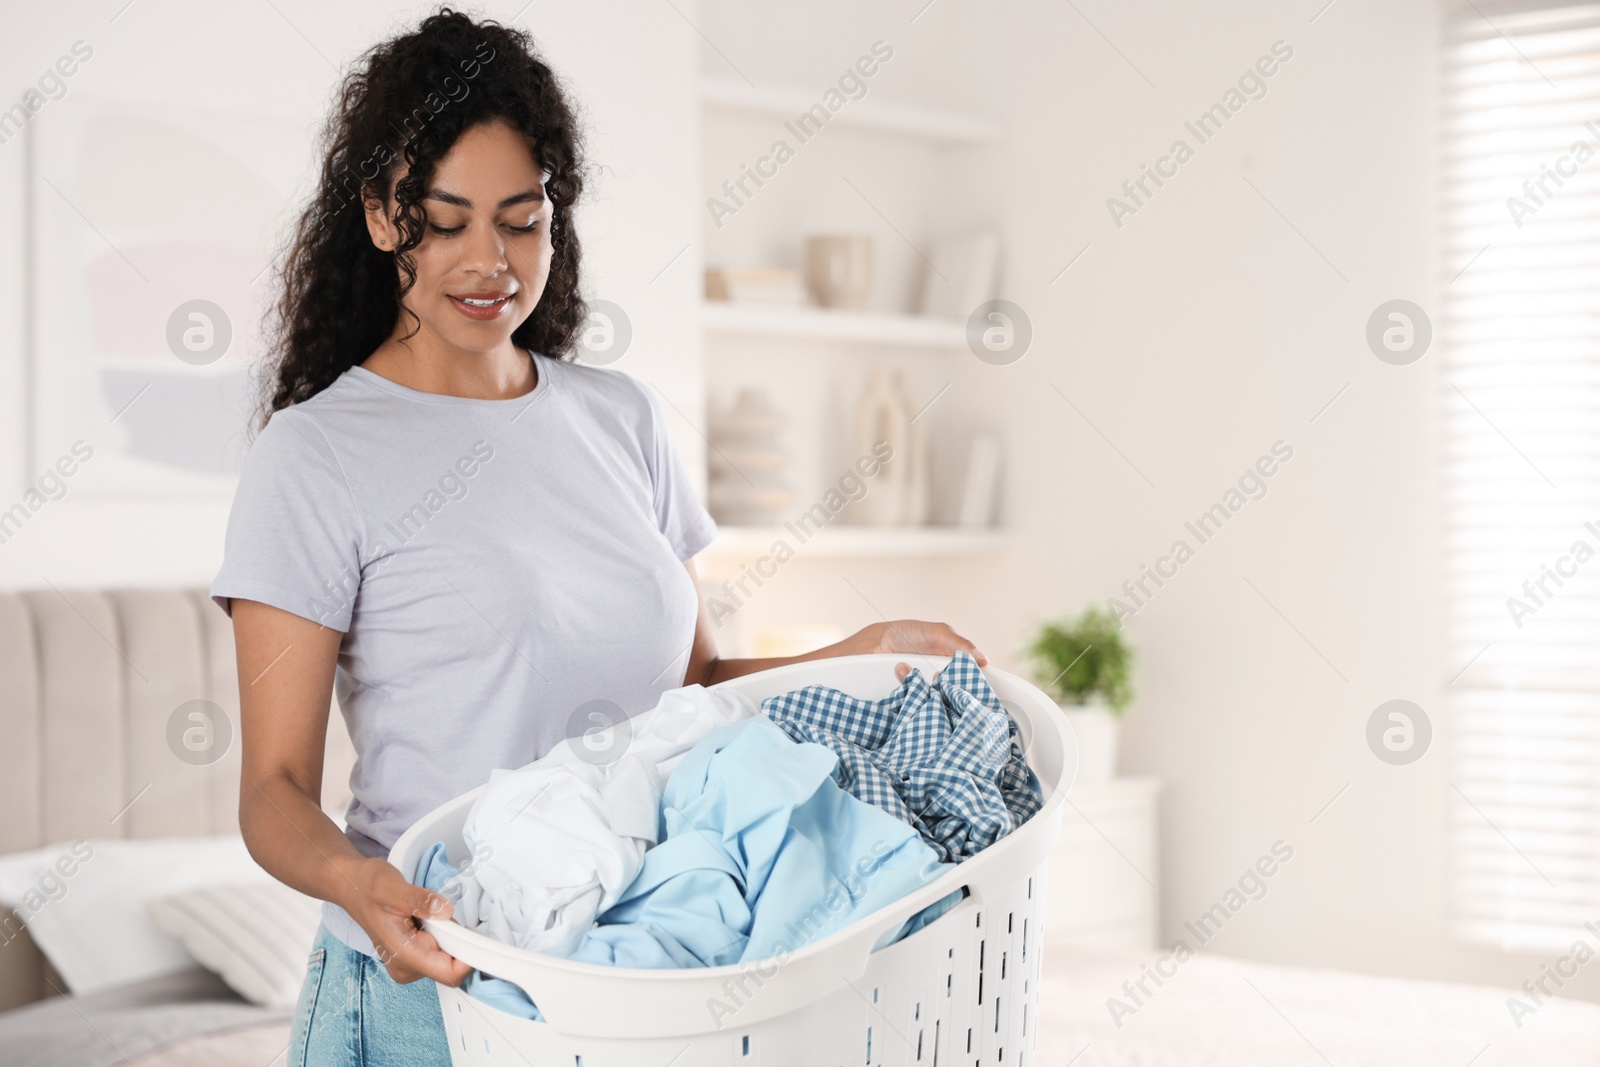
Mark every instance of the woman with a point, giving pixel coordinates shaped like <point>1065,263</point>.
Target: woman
<point>476,537</point>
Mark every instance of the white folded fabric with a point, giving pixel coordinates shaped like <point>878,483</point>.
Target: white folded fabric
<point>554,843</point>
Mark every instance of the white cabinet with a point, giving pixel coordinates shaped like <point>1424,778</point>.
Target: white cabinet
<point>1102,885</point>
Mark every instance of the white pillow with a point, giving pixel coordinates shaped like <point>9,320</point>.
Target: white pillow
<point>83,902</point>
<point>254,934</point>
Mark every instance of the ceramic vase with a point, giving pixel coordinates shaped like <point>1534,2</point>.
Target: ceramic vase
<point>748,463</point>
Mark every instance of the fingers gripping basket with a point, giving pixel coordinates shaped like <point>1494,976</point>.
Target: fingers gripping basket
<point>962,990</point>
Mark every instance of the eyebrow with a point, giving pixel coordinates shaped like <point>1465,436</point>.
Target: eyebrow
<point>530,196</point>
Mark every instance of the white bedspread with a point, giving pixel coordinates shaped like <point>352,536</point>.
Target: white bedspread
<point>1223,1011</point>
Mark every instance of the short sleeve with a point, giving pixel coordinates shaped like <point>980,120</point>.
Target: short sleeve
<point>682,518</point>
<point>294,535</point>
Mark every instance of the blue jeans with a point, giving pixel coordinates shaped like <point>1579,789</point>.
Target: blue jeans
<point>352,1014</point>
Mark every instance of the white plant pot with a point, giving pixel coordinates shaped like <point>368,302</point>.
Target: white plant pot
<point>1097,730</point>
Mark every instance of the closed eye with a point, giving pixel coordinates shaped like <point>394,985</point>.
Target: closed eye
<point>451,231</point>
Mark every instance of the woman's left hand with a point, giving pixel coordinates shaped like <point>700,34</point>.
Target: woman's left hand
<point>914,637</point>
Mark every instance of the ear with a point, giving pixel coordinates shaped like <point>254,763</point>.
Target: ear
<point>379,226</point>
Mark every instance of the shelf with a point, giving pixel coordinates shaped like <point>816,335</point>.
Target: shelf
<point>826,325</point>
<point>945,127</point>
<point>838,542</point>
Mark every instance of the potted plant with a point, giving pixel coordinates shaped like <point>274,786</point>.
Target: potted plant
<point>1085,665</point>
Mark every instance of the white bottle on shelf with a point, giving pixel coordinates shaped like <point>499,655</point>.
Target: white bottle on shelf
<point>882,416</point>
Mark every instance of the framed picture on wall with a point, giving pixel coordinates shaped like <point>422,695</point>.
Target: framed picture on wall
<point>154,234</point>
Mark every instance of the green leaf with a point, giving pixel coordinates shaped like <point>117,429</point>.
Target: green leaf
<point>1080,661</point>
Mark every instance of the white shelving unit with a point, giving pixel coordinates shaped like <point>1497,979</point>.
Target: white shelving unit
<point>945,127</point>
<point>727,327</point>
<point>828,325</point>
<point>750,542</point>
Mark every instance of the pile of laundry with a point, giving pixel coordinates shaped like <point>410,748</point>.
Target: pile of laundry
<point>728,833</point>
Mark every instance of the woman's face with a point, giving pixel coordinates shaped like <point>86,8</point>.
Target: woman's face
<point>485,251</point>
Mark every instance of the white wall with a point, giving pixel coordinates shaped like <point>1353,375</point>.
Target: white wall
<point>1194,337</point>
<point>636,92</point>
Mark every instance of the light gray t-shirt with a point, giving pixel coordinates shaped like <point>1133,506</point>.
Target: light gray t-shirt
<point>496,566</point>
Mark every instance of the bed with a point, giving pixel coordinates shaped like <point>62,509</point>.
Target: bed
<point>1222,1011</point>
<point>91,682</point>
<point>189,1019</point>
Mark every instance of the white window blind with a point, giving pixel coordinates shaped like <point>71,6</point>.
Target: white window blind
<point>1520,345</point>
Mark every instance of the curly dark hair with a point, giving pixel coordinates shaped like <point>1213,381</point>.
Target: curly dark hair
<point>407,103</point>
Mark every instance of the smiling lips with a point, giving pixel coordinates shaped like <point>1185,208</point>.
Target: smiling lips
<point>482,306</point>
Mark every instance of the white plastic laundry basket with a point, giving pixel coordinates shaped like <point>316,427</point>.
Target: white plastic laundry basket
<point>962,990</point>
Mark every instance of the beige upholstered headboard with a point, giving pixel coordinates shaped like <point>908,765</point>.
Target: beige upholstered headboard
<point>88,682</point>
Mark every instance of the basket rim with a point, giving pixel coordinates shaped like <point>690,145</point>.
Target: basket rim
<point>1040,823</point>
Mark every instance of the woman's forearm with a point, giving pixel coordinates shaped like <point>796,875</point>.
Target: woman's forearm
<point>907,636</point>
<point>294,840</point>
<point>720,670</point>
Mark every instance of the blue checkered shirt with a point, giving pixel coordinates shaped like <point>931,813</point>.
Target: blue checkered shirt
<point>945,757</point>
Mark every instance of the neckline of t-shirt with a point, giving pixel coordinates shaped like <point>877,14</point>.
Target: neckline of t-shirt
<point>541,387</point>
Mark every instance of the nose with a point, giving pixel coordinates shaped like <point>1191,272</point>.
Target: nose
<point>485,249</point>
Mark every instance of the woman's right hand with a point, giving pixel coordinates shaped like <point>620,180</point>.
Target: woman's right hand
<point>389,908</point>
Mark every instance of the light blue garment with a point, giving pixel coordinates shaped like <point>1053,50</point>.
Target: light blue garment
<point>760,854</point>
